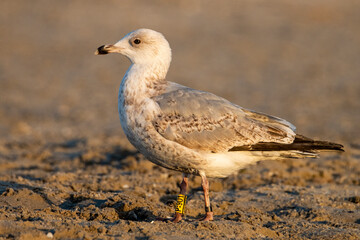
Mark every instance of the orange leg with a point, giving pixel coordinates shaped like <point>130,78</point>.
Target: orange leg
<point>208,209</point>
<point>183,189</point>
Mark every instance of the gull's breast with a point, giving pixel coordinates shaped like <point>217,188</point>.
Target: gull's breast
<point>136,121</point>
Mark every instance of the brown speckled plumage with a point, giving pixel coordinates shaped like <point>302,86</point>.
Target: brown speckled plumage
<point>190,130</point>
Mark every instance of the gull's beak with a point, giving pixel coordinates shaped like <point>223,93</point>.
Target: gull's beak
<point>105,49</point>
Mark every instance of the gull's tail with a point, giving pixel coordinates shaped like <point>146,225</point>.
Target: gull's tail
<point>226,163</point>
<point>302,144</point>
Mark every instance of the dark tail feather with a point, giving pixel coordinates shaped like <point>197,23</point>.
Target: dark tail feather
<point>309,143</point>
<point>301,143</point>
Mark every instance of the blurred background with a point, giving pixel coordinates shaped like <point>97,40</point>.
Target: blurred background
<point>299,60</point>
<point>67,170</point>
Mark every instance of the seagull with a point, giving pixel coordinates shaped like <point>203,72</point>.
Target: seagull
<point>192,131</point>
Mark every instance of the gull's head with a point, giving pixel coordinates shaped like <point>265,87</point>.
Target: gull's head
<point>142,46</point>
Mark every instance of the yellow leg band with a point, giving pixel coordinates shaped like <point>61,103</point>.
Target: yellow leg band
<point>180,204</point>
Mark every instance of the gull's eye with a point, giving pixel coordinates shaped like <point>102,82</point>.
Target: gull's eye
<point>137,41</point>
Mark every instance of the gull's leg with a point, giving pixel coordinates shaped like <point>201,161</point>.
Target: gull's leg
<point>183,189</point>
<point>208,209</point>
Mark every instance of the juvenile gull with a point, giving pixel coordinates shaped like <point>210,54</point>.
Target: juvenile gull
<point>192,131</point>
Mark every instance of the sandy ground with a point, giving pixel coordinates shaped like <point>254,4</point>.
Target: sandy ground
<point>68,172</point>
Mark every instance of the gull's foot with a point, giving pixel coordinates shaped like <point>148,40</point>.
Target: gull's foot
<point>177,218</point>
<point>208,217</point>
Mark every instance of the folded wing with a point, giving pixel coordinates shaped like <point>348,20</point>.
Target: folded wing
<point>203,121</point>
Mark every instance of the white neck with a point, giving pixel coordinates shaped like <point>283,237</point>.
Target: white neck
<point>154,71</point>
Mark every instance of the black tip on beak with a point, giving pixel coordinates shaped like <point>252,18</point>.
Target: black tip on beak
<point>101,50</point>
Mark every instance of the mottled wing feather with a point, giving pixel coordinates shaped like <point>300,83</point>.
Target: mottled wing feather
<point>203,121</point>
